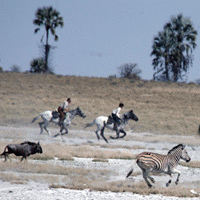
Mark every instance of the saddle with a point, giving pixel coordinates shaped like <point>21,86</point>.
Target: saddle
<point>110,120</point>
<point>55,114</point>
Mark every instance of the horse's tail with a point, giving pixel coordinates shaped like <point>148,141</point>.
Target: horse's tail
<point>35,118</point>
<point>130,172</point>
<point>90,124</point>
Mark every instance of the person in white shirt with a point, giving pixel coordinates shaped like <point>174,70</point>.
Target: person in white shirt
<point>64,107</point>
<point>116,115</point>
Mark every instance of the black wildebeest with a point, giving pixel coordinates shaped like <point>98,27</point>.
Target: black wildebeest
<point>24,149</point>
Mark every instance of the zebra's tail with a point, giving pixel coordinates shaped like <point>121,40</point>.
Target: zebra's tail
<point>130,172</point>
<point>35,118</point>
<point>90,124</point>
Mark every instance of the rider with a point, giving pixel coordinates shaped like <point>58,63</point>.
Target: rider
<point>63,108</point>
<point>116,115</point>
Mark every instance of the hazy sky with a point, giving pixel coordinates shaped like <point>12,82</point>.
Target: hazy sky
<point>98,35</point>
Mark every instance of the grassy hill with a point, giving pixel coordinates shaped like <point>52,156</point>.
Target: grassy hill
<point>162,108</point>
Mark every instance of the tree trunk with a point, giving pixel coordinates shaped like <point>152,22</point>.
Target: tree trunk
<point>47,49</point>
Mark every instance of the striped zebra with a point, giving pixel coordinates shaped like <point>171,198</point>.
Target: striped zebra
<point>158,163</point>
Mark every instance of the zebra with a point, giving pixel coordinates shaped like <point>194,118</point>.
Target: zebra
<point>158,163</point>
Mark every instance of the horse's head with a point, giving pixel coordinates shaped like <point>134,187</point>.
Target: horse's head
<point>80,112</point>
<point>131,115</point>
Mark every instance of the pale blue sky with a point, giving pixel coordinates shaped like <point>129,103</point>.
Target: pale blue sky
<point>98,35</point>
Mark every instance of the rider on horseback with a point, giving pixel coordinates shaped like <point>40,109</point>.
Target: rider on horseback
<point>62,109</point>
<point>116,116</point>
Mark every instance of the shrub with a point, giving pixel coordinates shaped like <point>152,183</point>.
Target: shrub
<point>15,68</point>
<point>37,65</point>
<point>129,70</point>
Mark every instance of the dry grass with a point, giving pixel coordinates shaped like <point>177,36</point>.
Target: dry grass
<point>50,173</point>
<point>191,164</point>
<point>124,186</point>
<point>66,152</point>
<point>164,108</point>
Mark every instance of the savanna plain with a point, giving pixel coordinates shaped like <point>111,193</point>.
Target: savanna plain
<point>79,163</point>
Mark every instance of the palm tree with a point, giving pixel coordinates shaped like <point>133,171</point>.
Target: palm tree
<point>175,46</point>
<point>50,19</point>
<point>161,51</point>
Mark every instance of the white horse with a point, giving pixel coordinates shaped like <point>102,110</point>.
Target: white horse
<point>53,116</point>
<point>103,122</point>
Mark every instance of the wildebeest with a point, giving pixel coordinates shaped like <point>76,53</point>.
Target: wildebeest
<point>24,149</point>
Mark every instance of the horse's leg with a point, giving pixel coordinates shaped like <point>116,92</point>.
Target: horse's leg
<point>97,134</point>
<point>102,134</point>
<point>122,131</point>
<point>64,127</point>
<point>41,127</point>
<point>117,135</point>
<point>60,132</point>
<point>98,129</point>
<point>45,128</point>
<point>56,135</point>
<point>46,123</point>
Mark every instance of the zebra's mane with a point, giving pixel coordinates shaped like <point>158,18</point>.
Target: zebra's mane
<point>174,148</point>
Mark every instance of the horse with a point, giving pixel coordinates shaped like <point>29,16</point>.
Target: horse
<point>103,122</point>
<point>53,116</point>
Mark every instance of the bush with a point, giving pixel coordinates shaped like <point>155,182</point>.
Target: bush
<point>129,70</point>
<point>37,65</point>
<point>15,68</point>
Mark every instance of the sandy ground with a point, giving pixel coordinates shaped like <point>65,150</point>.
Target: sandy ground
<point>40,189</point>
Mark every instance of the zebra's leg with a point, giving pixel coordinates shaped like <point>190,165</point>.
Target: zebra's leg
<point>175,171</point>
<point>145,176</point>
<point>151,179</point>
<point>169,182</point>
<point>177,179</point>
